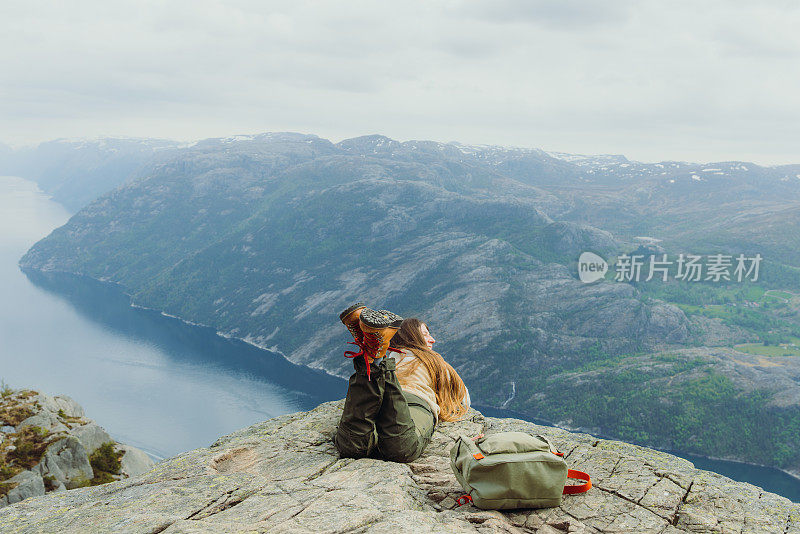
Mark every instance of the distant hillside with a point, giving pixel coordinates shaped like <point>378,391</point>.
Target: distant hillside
<point>234,234</point>
<point>268,237</point>
<point>77,172</point>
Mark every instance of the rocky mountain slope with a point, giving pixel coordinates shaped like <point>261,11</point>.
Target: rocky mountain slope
<point>268,237</point>
<point>48,445</point>
<point>231,235</point>
<point>284,475</point>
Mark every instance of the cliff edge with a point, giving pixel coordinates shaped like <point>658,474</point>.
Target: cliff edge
<point>284,475</point>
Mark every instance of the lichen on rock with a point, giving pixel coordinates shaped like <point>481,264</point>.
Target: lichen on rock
<point>285,475</point>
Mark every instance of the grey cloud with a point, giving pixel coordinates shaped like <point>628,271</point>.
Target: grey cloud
<point>584,76</point>
<point>554,14</point>
<point>734,42</point>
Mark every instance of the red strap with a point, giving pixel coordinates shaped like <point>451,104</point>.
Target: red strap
<point>362,352</point>
<point>465,498</point>
<point>571,490</point>
<point>351,354</point>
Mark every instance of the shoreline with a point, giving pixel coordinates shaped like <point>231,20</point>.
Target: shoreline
<point>794,475</point>
<point>122,289</point>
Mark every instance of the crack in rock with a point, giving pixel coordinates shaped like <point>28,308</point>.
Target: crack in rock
<point>224,502</point>
<point>676,516</point>
<point>621,496</point>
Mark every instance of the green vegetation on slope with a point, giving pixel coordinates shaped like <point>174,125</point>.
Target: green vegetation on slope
<point>667,402</point>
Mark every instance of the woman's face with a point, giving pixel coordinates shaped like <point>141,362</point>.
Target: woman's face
<point>427,335</point>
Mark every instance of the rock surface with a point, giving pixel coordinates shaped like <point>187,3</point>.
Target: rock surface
<point>66,460</point>
<point>59,441</point>
<point>284,475</point>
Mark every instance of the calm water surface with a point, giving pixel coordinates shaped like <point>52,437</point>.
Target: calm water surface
<point>151,381</point>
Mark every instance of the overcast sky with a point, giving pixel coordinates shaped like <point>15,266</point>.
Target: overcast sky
<point>695,81</point>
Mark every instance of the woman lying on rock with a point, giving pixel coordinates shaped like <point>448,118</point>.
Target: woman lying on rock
<point>392,405</point>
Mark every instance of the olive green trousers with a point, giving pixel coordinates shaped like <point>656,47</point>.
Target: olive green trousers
<point>379,419</point>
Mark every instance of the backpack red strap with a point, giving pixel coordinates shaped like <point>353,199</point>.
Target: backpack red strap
<point>580,488</point>
<point>464,499</point>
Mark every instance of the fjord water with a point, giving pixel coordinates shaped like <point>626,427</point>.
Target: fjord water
<point>151,381</point>
<point>154,381</point>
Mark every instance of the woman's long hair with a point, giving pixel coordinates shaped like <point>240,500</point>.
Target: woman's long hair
<point>449,387</point>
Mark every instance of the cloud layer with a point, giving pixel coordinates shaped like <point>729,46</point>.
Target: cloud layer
<point>652,80</point>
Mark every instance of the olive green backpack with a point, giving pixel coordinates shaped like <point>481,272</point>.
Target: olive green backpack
<point>512,470</point>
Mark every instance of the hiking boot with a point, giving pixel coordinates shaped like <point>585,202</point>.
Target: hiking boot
<point>350,319</point>
<point>378,328</point>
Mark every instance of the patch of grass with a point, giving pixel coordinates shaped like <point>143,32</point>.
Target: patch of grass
<point>764,313</point>
<point>106,461</point>
<point>30,443</point>
<point>101,478</point>
<point>68,420</point>
<point>6,390</point>
<point>7,471</point>
<point>80,482</point>
<point>5,487</point>
<point>767,350</point>
<point>105,458</point>
<point>778,293</point>
<point>14,414</point>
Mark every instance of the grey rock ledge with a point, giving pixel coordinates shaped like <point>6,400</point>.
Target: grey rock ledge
<point>284,475</point>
